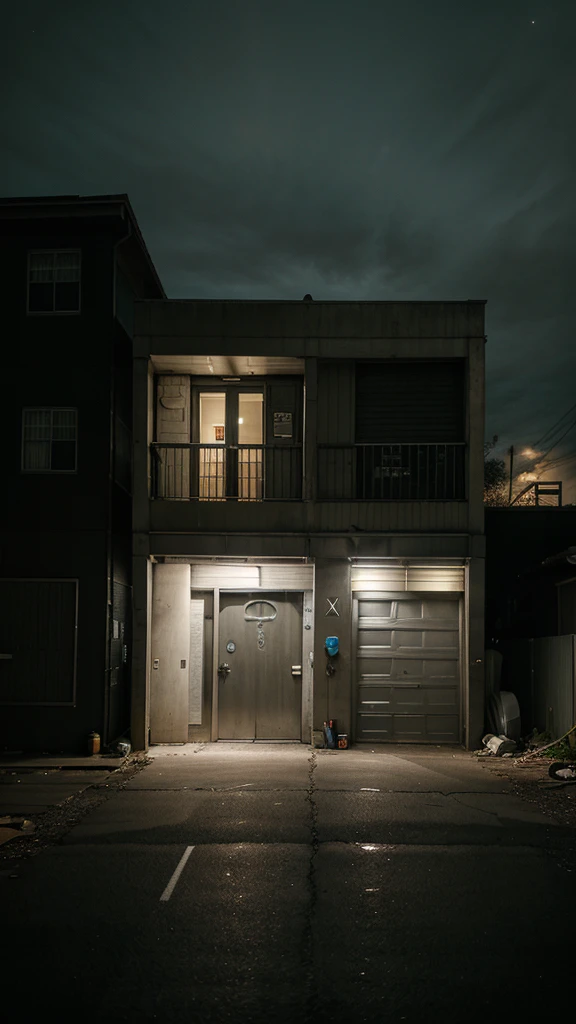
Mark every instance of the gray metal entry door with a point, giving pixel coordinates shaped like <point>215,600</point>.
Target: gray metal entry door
<point>408,657</point>
<point>260,666</point>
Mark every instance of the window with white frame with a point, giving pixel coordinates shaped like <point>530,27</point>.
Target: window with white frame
<point>49,440</point>
<point>54,281</point>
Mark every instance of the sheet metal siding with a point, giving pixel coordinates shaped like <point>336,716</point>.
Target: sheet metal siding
<point>287,577</point>
<point>410,402</point>
<point>567,607</point>
<point>410,578</point>
<point>335,416</point>
<point>251,577</point>
<point>553,683</point>
<point>38,621</point>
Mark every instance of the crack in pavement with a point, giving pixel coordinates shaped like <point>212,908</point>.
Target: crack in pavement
<point>308,937</point>
<point>320,789</point>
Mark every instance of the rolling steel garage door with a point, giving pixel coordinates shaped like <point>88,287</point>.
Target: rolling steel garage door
<point>408,661</point>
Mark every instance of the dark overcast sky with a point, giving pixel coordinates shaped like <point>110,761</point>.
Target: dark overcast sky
<point>352,149</point>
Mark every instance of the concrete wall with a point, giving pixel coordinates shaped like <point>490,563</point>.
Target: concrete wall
<point>141,641</point>
<point>170,654</point>
<point>474,652</point>
<point>307,518</point>
<point>297,328</point>
<point>333,693</point>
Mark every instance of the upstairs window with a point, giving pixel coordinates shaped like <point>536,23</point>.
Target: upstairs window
<point>54,281</point>
<point>49,440</point>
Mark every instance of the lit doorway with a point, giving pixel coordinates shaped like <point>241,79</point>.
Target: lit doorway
<point>230,437</point>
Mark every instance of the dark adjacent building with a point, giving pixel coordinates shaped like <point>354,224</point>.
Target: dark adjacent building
<point>72,268</point>
<point>529,577</point>
<point>531,610</point>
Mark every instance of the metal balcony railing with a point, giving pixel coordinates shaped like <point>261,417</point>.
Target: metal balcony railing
<point>217,472</point>
<point>392,472</point>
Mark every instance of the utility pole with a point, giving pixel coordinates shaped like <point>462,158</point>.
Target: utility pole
<point>511,468</point>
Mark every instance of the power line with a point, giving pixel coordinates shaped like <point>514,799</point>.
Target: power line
<point>561,438</point>
<point>556,426</point>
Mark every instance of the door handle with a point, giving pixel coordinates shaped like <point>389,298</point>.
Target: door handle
<point>223,669</point>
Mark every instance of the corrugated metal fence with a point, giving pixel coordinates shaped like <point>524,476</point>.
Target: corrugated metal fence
<point>541,672</point>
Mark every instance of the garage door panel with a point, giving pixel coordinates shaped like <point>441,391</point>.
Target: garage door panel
<point>389,622</point>
<point>441,699</point>
<point>406,699</point>
<point>442,728</point>
<point>439,609</point>
<point>442,638</point>
<point>409,727</point>
<point>408,669</point>
<point>378,727</point>
<point>378,699</point>
<point>375,638</point>
<point>442,670</point>
<point>395,699</point>
<point>375,664</point>
<point>407,639</point>
<point>412,728</point>
<point>381,609</point>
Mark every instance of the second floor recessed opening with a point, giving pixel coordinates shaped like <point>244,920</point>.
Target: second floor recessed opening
<point>232,434</point>
<point>375,430</point>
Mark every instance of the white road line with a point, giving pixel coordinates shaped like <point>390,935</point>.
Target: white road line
<point>172,883</point>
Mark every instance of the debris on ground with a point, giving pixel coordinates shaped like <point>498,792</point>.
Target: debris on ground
<point>52,824</point>
<point>539,743</point>
<point>542,771</point>
<point>561,770</point>
<point>14,827</point>
<point>501,746</point>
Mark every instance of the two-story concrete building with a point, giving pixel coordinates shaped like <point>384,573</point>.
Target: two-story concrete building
<point>302,471</point>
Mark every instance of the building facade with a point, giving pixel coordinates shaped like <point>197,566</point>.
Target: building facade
<point>72,268</point>
<point>308,521</point>
<point>230,520</point>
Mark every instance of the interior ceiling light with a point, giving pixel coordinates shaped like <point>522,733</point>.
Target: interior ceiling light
<point>231,378</point>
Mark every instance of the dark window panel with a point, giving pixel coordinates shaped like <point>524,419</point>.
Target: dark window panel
<point>67,296</point>
<point>63,455</point>
<point>41,297</point>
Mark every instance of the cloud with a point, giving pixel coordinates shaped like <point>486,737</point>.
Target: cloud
<point>365,151</point>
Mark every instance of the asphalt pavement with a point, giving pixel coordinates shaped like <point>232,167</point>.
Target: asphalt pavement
<point>271,882</point>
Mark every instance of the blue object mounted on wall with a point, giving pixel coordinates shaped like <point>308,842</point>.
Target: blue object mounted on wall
<point>331,645</point>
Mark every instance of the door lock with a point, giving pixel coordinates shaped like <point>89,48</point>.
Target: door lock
<point>223,669</point>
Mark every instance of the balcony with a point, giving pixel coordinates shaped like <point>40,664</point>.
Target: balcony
<point>217,472</point>
<point>392,472</point>
<point>268,472</point>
